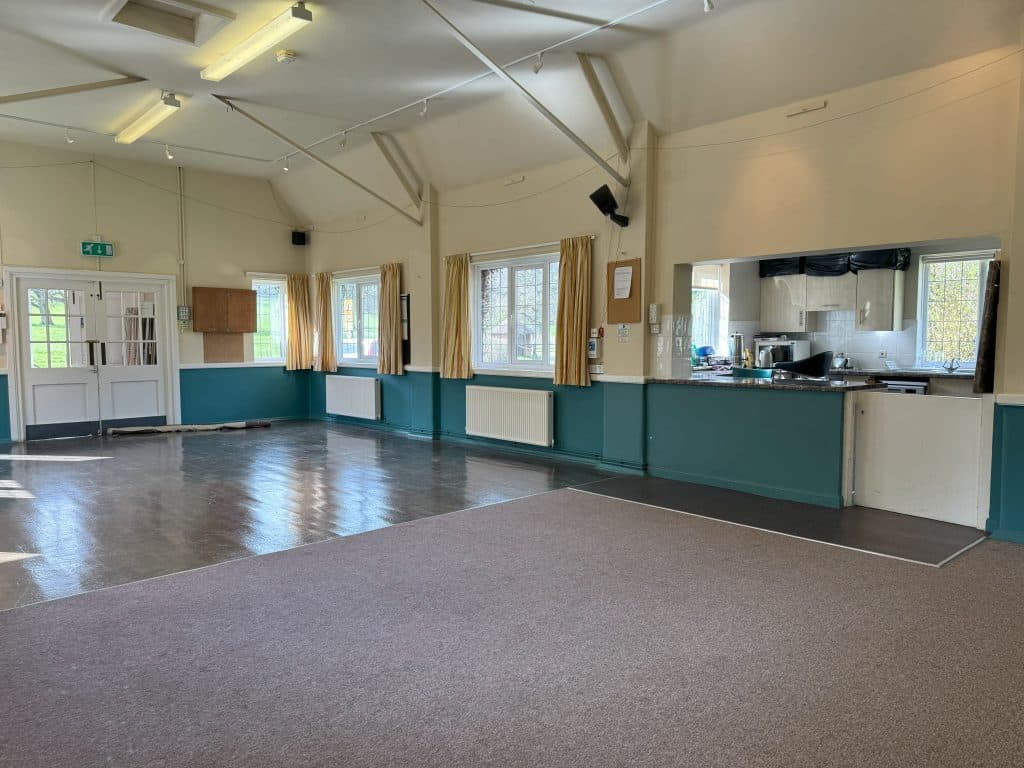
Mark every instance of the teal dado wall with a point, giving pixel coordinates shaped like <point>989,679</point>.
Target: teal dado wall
<point>786,445</point>
<point>210,395</point>
<point>602,423</point>
<point>1006,503</point>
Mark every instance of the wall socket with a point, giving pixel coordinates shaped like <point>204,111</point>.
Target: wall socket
<point>883,355</point>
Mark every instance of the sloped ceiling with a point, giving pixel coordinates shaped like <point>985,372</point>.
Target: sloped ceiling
<point>677,66</point>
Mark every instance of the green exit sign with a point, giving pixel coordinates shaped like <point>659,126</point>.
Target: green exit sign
<point>102,250</point>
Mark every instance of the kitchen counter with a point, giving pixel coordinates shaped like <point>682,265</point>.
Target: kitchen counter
<point>917,373</point>
<point>794,385</point>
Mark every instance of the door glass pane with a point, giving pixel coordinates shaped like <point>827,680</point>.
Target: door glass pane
<point>368,293</point>
<point>131,328</point>
<point>56,316</point>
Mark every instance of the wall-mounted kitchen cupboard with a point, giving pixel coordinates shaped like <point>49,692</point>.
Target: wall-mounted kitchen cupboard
<point>880,300</point>
<point>784,304</point>
<point>223,310</point>
<point>831,294</point>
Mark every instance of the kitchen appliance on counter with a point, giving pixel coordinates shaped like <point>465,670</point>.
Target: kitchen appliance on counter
<point>736,349</point>
<point>814,367</point>
<point>780,350</point>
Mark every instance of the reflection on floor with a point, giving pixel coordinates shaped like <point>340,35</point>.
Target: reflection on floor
<point>167,503</point>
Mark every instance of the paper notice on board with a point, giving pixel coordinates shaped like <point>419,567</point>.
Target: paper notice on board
<point>623,282</point>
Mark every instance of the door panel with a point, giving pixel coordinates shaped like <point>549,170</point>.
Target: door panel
<point>60,380</point>
<point>131,367</point>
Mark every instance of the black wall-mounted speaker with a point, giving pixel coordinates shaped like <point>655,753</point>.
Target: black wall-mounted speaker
<point>300,238</point>
<point>606,204</point>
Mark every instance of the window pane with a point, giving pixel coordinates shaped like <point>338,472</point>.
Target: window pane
<point>345,320</point>
<point>269,340</point>
<point>552,310</point>
<point>952,315</point>
<point>494,318</point>
<point>56,302</point>
<point>529,315</point>
<point>368,294</point>
<point>39,355</point>
<point>705,317</point>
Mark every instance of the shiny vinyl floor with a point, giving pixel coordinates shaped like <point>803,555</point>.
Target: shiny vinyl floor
<point>84,514</point>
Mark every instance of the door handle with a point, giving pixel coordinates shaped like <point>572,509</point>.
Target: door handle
<point>92,354</point>
<point>103,353</point>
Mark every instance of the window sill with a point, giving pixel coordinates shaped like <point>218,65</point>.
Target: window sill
<point>523,373</point>
<point>360,364</point>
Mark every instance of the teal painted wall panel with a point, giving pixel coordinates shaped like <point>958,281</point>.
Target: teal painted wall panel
<point>406,402</point>
<point>211,395</point>
<point>579,412</point>
<point>5,411</point>
<point>624,426</point>
<point>786,445</point>
<point>1006,504</point>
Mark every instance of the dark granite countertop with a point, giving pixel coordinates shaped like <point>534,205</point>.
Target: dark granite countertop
<point>917,373</point>
<point>794,385</point>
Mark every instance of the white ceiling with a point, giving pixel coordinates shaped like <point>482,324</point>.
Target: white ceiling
<point>677,66</point>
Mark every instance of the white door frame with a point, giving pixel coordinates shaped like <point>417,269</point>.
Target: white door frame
<point>166,285</point>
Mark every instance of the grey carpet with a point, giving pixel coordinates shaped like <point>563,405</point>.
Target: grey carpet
<point>561,630</point>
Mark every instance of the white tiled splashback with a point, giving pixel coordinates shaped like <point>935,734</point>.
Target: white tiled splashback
<point>836,332</point>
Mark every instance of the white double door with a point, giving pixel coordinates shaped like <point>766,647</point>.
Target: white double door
<point>90,355</point>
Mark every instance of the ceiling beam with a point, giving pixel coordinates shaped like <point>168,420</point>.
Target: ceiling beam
<point>603,104</point>
<point>69,89</point>
<point>534,101</point>
<point>515,5</point>
<point>410,183</point>
<point>315,158</point>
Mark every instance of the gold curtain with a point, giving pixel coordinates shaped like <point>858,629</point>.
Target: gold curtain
<point>300,327</point>
<point>389,345</point>
<point>455,359</point>
<point>573,328</point>
<point>325,358</point>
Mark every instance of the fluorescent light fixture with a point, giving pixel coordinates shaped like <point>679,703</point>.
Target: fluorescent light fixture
<point>289,22</point>
<point>152,117</point>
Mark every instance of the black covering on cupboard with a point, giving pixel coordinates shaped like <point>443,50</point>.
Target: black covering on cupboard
<point>836,264</point>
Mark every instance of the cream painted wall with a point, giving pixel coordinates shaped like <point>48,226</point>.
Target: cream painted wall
<point>364,243</point>
<point>937,165</point>
<point>233,224</point>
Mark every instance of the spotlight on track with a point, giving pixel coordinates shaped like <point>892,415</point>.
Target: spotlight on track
<point>538,65</point>
<point>285,166</point>
<point>425,108</point>
<point>606,204</point>
<point>344,140</point>
<point>68,137</point>
<point>167,152</point>
<point>709,6</point>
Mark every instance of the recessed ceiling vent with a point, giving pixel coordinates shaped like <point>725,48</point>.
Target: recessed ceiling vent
<point>182,20</point>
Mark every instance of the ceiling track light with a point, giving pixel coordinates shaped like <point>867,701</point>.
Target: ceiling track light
<point>285,25</point>
<point>709,6</point>
<point>538,65</point>
<point>167,152</point>
<point>68,137</point>
<point>425,108</point>
<point>150,119</point>
<point>285,166</point>
<point>344,140</point>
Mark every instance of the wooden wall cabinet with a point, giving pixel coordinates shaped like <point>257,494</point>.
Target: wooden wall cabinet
<point>830,294</point>
<point>784,304</point>
<point>880,300</point>
<point>223,310</point>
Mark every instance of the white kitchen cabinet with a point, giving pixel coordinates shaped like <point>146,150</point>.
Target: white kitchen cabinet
<point>830,294</point>
<point>880,300</point>
<point>784,304</point>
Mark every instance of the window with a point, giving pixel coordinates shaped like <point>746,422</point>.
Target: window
<point>355,305</point>
<point>271,338</point>
<point>57,324</point>
<point>951,295</point>
<point>515,309</point>
<point>710,309</point>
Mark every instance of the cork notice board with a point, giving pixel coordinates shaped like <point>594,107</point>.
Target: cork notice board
<point>627,310</point>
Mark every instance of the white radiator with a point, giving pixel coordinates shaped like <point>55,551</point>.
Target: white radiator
<point>519,415</point>
<point>357,396</point>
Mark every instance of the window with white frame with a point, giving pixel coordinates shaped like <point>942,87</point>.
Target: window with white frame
<point>270,342</point>
<point>356,304</point>
<point>710,308</point>
<point>951,297</point>
<point>515,311</point>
